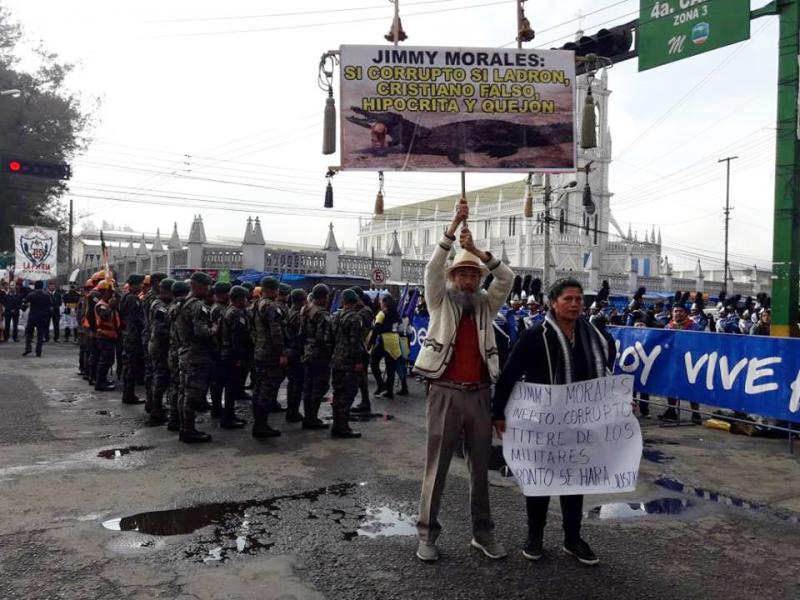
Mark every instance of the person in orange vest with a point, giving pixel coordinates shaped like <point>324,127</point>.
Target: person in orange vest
<point>107,332</point>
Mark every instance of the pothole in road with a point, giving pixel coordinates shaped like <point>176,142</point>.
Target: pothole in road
<point>226,530</point>
<point>117,453</point>
<point>632,510</point>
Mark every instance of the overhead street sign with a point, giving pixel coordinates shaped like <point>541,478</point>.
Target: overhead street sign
<point>671,30</point>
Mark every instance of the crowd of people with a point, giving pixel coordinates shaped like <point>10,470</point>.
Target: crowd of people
<point>187,340</point>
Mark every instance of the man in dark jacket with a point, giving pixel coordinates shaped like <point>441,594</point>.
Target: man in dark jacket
<point>55,311</point>
<point>13,304</point>
<point>565,348</point>
<point>130,311</point>
<point>38,305</point>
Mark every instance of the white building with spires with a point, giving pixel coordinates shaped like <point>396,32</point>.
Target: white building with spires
<point>580,243</point>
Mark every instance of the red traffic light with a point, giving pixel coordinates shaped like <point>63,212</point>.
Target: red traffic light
<point>14,166</point>
<point>30,168</point>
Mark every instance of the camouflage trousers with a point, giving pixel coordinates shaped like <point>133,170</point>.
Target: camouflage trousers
<point>194,381</point>
<point>105,359</point>
<point>316,384</point>
<point>268,377</point>
<point>159,361</point>
<point>147,367</point>
<point>294,387</point>
<point>132,366</point>
<point>218,378</point>
<point>173,392</point>
<point>345,387</point>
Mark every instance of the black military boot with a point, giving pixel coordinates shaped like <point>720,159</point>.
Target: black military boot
<point>157,414</point>
<point>229,419</point>
<point>403,387</point>
<point>192,436</point>
<point>341,425</point>
<point>311,420</point>
<point>362,408</point>
<point>173,422</point>
<point>261,428</point>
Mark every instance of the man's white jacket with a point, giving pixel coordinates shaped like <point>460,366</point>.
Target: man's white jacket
<point>445,314</point>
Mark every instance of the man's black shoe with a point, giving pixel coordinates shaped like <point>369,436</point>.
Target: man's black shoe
<point>581,550</point>
<point>132,400</point>
<point>108,387</point>
<point>315,424</point>
<point>173,425</point>
<point>345,433</point>
<point>216,413</point>
<point>194,437</point>
<point>38,355</point>
<point>697,419</point>
<point>294,417</point>
<point>156,419</point>
<point>26,351</point>
<point>668,415</point>
<point>231,423</point>
<point>533,549</point>
<point>361,408</point>
<point>264,431</point>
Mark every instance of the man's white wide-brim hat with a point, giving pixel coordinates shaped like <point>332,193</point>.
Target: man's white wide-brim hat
<point>467,259</point>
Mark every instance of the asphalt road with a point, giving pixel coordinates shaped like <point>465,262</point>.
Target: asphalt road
<point>96,505</point>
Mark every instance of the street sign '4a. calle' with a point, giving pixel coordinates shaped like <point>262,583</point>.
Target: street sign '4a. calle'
<point>670,30</point>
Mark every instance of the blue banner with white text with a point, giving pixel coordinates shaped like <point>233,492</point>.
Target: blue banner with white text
<point>752,374</point>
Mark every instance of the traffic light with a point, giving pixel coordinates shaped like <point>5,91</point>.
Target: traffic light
<point>614,43</point>
<point>48,170</point>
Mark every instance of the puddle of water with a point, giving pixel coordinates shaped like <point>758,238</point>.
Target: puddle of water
<point>656,456</point>
<point>631,510</point>
<point>117,453</point>
<point>382,521</point>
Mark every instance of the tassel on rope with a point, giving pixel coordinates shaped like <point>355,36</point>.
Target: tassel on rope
<point>397,28</point>
<point>379,198</point>
<point>528,211</point>
<point>329,189</point>
<point>325,82</point>
<point>589,121</point>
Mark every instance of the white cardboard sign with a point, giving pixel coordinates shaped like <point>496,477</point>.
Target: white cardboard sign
<point>580,438</point>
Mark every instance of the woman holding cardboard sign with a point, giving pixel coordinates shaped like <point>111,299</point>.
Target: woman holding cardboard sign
<point>565,348</point>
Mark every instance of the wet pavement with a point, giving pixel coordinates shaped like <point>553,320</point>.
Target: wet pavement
<point>97,505</point>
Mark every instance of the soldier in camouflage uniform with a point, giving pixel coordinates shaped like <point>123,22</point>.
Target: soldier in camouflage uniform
<point>347,332</point>
<point>195,340</point>
<point>294,352</point>
<point>247,364</point>
<point>365,312</point>
<point>221,302</point>
<point>270,358</point>
<point>235,348</point>
<point>130,311</point>
<point>153,281</point>
<point>180,289</point>
<point>316,355</point>
<point>158,349</point>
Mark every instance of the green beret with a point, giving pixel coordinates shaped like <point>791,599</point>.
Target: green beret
<point>166,284</point>
<point>269,283</point>
<point>284,289</point>
<point>201,278</point>
<point>249,286</point>
<point>298,295</point>
<point>222,287</point>
<point>156,278</point>
<point>320,291</point>
<point>135,279</point>
<point>180,288</point>
<point>238,292</point>
<point>349,296</point>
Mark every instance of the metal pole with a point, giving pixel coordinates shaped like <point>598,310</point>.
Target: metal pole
<point>546,270</point>
<point>786,240</point>
<point>726,271</point>
<point>519,22</point>
<point>69,241</point>
<point>396,22</point>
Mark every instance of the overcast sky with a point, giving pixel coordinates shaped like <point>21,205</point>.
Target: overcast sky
<point>183,104</point>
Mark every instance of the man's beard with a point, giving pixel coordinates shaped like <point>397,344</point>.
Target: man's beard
<point>466,301</point>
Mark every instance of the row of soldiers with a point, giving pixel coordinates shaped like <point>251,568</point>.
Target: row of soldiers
<point>184,339</point>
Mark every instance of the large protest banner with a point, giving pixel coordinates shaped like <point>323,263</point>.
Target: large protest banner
<point>751,374</point>
<point>579,438</point>
<point>36,251</point>
<point>457,109</point>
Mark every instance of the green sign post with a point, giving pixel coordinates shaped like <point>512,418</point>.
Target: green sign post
<point>670,30</point>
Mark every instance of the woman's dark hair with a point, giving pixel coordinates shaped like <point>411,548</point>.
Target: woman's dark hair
<point>391,307</point>
<point>560,285</point>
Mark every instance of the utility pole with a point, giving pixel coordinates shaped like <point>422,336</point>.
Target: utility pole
<point>69,240</point>
<point>546,271</point>
<point>726,273</point>
<point>786,240</point>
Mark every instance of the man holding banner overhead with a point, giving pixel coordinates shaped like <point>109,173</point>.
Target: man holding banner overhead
<point>459,359</point>
<point>564,349</point>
